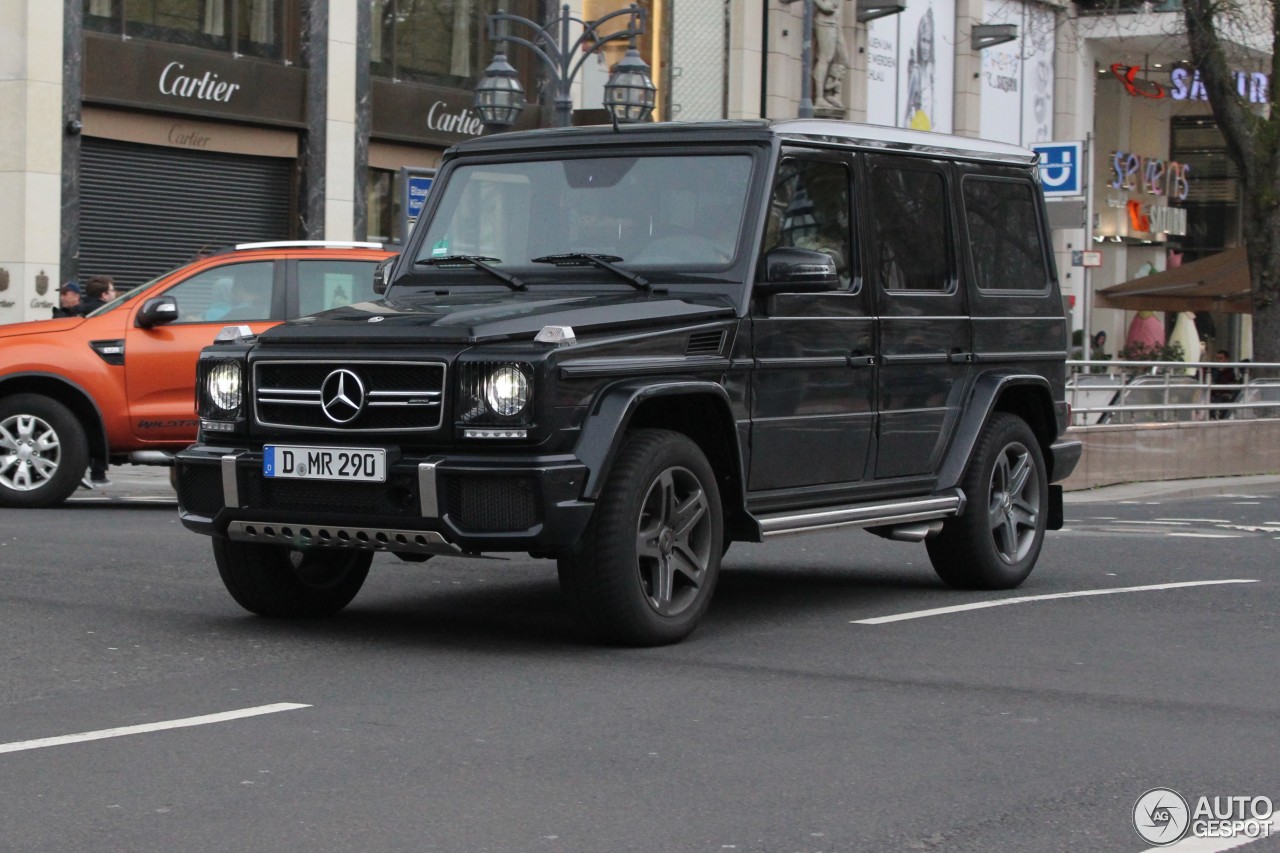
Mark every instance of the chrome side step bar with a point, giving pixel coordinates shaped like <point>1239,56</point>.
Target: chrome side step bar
<point>332,536</point>
<point>874,514</point>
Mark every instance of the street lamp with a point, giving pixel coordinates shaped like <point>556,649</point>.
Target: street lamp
<point>629,93</point>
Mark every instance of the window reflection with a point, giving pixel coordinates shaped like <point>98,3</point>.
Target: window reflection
<point>250,27</point>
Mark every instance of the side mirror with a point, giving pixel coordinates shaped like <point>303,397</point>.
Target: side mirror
<point>157,311</point>
<point>382,274</point>
<point>788,269</point>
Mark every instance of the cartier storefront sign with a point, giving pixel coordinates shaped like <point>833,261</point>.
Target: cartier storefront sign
<point>171,78</point>
<point>411,112</point>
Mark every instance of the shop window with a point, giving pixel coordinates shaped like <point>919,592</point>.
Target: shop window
<point>1004,235</point>
<point>251,27</point>
<point>442,41</point>
<point>383,209</point>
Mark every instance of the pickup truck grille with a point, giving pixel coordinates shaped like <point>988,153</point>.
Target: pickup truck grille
<point>349,396</point>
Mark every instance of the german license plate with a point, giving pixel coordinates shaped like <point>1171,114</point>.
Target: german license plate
<point>350,464</point>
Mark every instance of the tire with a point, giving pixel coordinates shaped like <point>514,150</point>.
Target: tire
<point>275,580</point>
<point>43,451</point>
<point>644,571</point>
<point>995,542</point>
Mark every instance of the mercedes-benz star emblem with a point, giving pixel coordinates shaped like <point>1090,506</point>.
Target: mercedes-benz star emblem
<point>342,396</point>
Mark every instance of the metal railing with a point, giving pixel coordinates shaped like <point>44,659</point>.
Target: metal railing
<point>1135,392</point>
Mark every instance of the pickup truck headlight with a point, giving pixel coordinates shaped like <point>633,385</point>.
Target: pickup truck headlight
<point>222,391</point>
<point>496,394</point>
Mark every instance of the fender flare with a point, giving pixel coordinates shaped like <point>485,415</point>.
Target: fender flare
<point>986,392</point>
<point>99,434</point>
<point>611,414</point>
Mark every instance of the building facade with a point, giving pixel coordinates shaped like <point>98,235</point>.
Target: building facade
<point>147,131</point>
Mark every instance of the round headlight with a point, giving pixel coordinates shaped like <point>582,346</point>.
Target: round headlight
<point>507,391</point>
<point>223,386</point>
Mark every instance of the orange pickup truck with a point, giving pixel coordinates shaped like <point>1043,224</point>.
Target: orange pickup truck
<point>117,385</point>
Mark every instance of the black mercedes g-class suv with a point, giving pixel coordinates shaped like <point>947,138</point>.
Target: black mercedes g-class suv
<point>626,348</point>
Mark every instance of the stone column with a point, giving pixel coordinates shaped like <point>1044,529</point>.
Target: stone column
<point>340,121</point>
<point>30,158</point>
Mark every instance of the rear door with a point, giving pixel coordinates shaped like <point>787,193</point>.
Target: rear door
<point>925,347</point>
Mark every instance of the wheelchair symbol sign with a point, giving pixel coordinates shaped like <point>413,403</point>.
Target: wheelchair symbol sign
<point>1061,168</point>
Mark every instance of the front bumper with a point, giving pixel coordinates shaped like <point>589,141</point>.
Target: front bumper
<point>435,504</point>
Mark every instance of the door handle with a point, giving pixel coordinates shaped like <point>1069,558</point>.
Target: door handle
<point>860,360</point>
<point>958,357</point>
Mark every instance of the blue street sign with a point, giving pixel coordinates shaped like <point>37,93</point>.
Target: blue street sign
<point>1061,168</point>
<point>417,190</point>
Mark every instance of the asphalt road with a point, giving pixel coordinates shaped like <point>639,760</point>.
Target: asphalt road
<point>455,707</point>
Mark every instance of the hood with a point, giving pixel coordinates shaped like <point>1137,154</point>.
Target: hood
<point>34,327</point>
<point>470,317</point>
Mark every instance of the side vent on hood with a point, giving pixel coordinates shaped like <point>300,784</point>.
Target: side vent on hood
<point>705,343</point>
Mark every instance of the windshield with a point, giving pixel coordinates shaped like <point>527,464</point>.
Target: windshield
<point>667,211</point>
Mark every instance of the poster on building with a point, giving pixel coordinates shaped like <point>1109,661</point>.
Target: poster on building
<point>1017,77</point>
<point>882,71</point>
<point>926,65</point>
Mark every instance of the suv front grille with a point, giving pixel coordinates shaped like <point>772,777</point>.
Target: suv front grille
<point>377,396</point>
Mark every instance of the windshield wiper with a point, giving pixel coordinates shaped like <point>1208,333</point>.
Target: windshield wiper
<point>479,262</point>
<point>604,262</point>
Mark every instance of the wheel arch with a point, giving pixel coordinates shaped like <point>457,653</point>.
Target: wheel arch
<point>703,414</point>
<point>69,394</point>
<point>1027,396</point>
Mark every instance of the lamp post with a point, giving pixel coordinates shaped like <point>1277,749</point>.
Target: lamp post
<point>629,93</point>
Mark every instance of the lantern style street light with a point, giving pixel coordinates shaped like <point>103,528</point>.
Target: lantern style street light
<point>629,94</point>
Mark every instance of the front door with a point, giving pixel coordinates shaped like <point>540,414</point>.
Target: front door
<point>160,363</point>
<point>925,346</point>
<point>812,402</point>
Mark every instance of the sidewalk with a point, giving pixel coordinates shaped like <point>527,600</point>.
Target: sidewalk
<point>1173,489</point>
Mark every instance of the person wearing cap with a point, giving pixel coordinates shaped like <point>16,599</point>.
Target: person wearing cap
<point>68,301</point>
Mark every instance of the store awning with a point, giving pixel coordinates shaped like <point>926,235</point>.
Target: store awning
<point>1217,283</point>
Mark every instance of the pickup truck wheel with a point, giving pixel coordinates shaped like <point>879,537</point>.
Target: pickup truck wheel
<point>644,572</point>
<point>994,543</point>
<point>276,580</point>
<point>43,451</point>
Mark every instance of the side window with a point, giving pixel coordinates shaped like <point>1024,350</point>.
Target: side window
<point>1004,235</point>
<point>909,229</point>
<point>809,209</point>
<point>227,293</point>
<point>331,284</point>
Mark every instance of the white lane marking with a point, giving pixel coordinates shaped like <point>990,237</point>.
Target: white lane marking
<point>1132,521</point>
<point>1201,520</point>
<point>1206,535</point>
<point>1000,602</point>
<point>19,746</point>
<point>1217,845</point>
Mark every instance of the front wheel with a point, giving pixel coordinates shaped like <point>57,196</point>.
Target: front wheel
<point>995,542</point>
<point>276,580</point>
<point>645,570</point>
<point>43,451</point>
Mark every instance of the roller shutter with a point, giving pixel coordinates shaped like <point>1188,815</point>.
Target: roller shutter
<point>146,209</point>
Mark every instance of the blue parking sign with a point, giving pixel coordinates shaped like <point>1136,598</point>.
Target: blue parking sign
<point>1061,168</point>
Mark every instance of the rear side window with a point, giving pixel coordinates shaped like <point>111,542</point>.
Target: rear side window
<point>1004,235</point>
<point>909,227</point>
<point>331,284</point>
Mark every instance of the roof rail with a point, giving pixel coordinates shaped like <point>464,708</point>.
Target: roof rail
<point>303,244</point>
